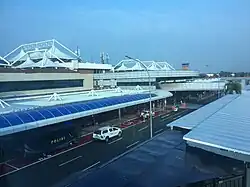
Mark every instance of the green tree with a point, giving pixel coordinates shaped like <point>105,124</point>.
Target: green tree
<point>232,86</point>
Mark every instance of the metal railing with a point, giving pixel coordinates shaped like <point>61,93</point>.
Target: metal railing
<point>143,74</point>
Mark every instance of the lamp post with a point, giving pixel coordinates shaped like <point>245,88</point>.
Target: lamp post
<point>150,98</point>
<point>218,92</point>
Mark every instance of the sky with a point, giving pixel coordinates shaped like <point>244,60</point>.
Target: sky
<point>212,35</point>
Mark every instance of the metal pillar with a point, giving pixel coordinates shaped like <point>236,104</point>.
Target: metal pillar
<point>119,114</point>
<point>247,175</point>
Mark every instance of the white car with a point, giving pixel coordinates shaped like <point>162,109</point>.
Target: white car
<point>145,114</point>
<point>106,133</point>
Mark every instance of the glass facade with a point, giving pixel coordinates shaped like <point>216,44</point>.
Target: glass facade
<point>37,85</point>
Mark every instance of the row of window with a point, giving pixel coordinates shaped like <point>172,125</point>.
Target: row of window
<point>135,83</point>
<point>39,85</point>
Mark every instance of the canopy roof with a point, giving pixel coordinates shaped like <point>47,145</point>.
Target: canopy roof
<point>51,49</point>
<point>132,65</point>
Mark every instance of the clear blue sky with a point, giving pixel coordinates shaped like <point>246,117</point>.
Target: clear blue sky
<point>202,32</point>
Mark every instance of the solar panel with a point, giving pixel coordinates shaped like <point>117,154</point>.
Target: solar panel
<point>3,122</point>
<point>46,113</point>
<point>91,105</point>
<point>26,118</point>
<point>73,108</point>
<point>55,112</point>
<point>14,119</point>
<point>76,107</point>
<point>18,118</point>
<point>36,115</point>
<point>103,103</point>
<point>63,110</point>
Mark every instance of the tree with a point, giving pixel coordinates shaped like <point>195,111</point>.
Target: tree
<point>232,87</point>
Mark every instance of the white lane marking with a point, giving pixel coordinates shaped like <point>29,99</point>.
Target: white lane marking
<point>93,165</point>
<point>115,141</point>
<point>132,144</point>
<point>158,131</point>
<point>64,163</point>
<point>142,129</point>
<point>34,163</point>
<point>6,161</point>
<point>12,166</point>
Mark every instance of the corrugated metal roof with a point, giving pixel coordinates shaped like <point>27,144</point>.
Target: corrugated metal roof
<point>195,118</point>
<point>228,129</point>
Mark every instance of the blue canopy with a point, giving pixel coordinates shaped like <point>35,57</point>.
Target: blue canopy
<point>22,117</point>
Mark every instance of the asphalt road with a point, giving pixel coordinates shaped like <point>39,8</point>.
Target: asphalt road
<point>85,157</point>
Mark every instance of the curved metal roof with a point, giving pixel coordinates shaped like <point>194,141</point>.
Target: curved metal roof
<point>15,121</point>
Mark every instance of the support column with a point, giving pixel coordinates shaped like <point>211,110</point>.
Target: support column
<point>119,114</point>
<point>243,84</point>
<point>247,175</point>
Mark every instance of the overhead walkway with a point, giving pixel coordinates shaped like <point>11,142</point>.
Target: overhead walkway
<point>38,117</point>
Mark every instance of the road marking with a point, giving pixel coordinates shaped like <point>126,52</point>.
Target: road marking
<point>158,131</point>
<point>93,165</point>
<point>64,163</point>
<point>142,129</point>
<point>132,144</point>
<point>34,163</point>
<point>115,141</point>
<point>165,116</point>
<point>11,166</point>
<point>6,161</point>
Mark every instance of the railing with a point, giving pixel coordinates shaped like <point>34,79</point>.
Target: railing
<point>233,181</point>
<point>143,74</point>
<point>193,86</point>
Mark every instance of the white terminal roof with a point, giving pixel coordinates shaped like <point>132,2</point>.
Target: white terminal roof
<point>132,65</point>
<point>226,130</point>
<point>45,54</point>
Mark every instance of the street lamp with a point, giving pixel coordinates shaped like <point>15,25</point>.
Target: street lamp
<point>218,92</point>
<point>150,98</point>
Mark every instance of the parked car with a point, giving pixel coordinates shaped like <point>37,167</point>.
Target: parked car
<point>106,133</point>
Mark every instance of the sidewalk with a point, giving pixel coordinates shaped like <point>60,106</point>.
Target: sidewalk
<point>114,122</point>
<point>125,121</point>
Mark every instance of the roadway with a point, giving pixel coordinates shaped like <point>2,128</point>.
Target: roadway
<point>84,157</point>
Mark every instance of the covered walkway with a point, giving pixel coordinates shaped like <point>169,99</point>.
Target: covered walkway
<point>38,117</point>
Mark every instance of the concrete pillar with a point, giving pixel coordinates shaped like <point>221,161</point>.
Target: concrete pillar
<point>243,84</point>
<point>247,175</point>
<point>119,114</point>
